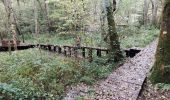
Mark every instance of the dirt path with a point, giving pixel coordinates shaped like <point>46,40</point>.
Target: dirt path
<point>123,84</point>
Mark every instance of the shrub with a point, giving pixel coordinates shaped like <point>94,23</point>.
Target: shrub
<point>39,74</point>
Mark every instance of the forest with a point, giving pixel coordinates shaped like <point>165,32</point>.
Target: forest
<point>84,49</point>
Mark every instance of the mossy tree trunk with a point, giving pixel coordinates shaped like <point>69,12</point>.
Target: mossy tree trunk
<point>161,69</point>
<point>113,39</point>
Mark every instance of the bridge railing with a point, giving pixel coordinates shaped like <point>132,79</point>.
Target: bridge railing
<point>74,51</point>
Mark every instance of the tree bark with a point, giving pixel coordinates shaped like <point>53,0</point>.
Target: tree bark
<point>12,24</point>
<point>145,12</point>
<point>161,68</point>
<point>154,11</point>
<point>36,19</point>
<point>113,39</point>
<point>46,15</point>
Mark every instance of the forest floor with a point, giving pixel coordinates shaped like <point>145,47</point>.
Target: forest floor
<point>125,83</point>
<point>150,92</point>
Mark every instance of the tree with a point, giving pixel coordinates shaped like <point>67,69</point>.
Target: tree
<point>36,19</point>
<point>47,15</point>
<point>45,9</point>
<point>12,23</point>
<point>161,68</point>
<point>145,12</point>
<point>154,11</point>
<point>113,39</point>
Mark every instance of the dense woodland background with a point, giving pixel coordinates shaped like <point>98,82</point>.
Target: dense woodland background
<point>116,25</point>
<point>84,18</point>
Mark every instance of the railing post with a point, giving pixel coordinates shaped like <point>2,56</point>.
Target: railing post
<point>90,55</point>
<point>59,49</point>
<point>65,51</point>
<point>49,47</point>
<point>41,47</point>
<point>83,52</point>
<point>99,53</point>
<point>107,52</point>
<point>54,49</point>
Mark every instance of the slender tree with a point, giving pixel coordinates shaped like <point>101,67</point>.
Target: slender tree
<point>145,12</point>
<point>154,11</point>
<point>45,9</point>
<point>36,18</point>
<point>112,37</point>
<point>161,68</point>
<point>47,15</point>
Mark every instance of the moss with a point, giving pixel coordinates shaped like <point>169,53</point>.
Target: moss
<point>160,73</point>
<point>113,40</point>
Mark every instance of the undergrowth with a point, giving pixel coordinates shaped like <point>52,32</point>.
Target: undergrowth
<point>137,37</point>
<point>36,74</point>
<point>52,38</point>
<point>129,37</point>
<point>163,86</point>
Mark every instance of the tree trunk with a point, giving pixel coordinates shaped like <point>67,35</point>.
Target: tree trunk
<point>19,29</point>
<point>103,22</point>
<point>145,12</point>
<point>46,15</point>
<point>45,10</point>
<point>154,11</point>
<point>36,19</point>
<point>11,20</point>
<point>161,68</point>
<point>113,39</point>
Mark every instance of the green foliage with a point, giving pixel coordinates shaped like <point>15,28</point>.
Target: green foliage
<point>129,37</point>
<point>39,74</point>
<point>68,15</point>
<point>60,39</point>
<point>163,86</point>
<point>160,75</point>
<point>87,80</point>
<point>137,37</point>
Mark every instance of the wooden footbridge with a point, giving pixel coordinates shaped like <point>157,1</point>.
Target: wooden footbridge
<point>67,51</point>
<point>70,51</point>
